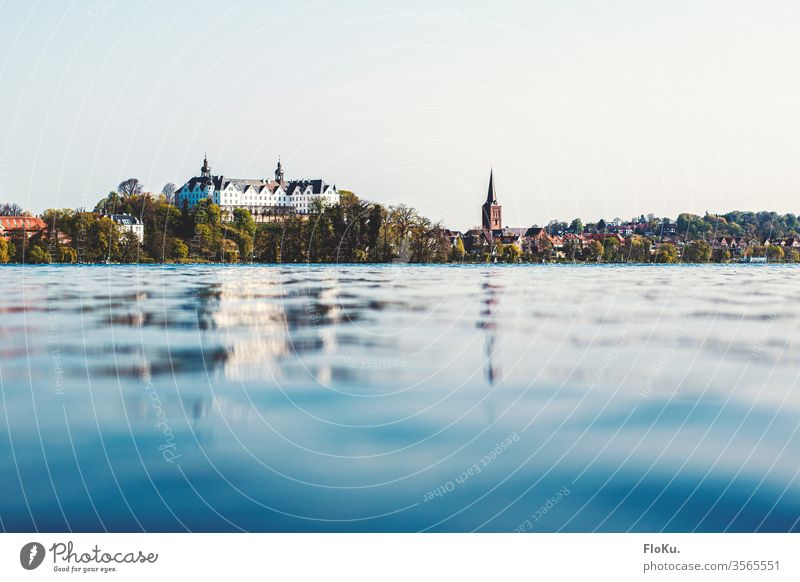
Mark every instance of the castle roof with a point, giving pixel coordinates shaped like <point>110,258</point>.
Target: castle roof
<point>219,183</point>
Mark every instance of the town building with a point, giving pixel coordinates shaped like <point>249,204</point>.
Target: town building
<point>129,223</point>
<point>264,198</point>
<point>602,236</point>
<point>477,240</point>
<point>557,241</point>
<point>22,225</point>
<point>452,236</point>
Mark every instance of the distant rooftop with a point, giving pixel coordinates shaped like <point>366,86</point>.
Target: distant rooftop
<point>125,219</point>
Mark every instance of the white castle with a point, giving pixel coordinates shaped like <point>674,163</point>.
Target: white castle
<point>263,198</point>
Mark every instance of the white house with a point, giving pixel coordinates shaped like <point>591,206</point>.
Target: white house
<point>128,222</point>
<point>263,198</point>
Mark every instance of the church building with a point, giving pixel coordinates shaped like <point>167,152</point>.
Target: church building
<point>492,212</point>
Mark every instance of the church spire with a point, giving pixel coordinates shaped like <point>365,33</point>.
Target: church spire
<point>205,171</point>
<point>491,197</point>
<point>491,211</point>
<point>279,171</point>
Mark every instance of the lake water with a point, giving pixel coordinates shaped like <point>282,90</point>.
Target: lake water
<point>400,398</point>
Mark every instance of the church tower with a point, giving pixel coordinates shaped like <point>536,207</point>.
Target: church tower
<point>206,179</point>
<point>492,215</point>
<point>279,172</point>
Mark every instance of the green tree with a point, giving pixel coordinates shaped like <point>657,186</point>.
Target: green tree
<point>37,254</point>
<point>111,204</point>
<point>208,232</point>
<point>775,253</point>
<point>347,198</point>
<point>243,220</point>
<point>511,253</point>
<point>105,236</point>
<point>721,255</point>
<point>162,221</point>
<point>693,226</point>
<point>229,251</point>
<point>610,250</point>
<point>128,248</point>
<point>244,241</point>
<point>58,222</point>
<point>243,232</point>
<point>635,249</point>
<point>178,250</point>
<point>94,238</point>
<point>321,232</point>
<point>376,217</point>
<point>667,253</point>
<point>576,226</point>
<point>697,251</point>
<point>66,254</point>
<point>294,239</point>
<point>5,256</point>
<point>458,252</point>
<point>268,243</point>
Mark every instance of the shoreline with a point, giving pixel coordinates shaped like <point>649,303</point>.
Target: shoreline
<point>454,265</point>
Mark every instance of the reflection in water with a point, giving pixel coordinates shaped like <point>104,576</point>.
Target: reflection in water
<point>258,335</point>
<point>487,323</point>
<point>306,398</point>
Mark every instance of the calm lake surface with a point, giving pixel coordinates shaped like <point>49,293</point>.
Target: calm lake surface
<point>400,398</point>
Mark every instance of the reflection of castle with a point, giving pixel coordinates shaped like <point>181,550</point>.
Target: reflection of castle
<point>262,328</point>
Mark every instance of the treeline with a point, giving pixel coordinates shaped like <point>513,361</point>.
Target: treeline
<point>756,225</point>
<point>738,224</point>
<point>355,230</point>
<point>350,231</point>
<point>641,249</point>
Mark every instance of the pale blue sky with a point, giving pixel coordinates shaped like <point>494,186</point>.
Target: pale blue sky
<point>584,108</point>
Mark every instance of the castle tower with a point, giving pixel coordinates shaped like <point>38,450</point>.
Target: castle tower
<point>205,171</point>
<point>279,172</point>
<point>492,212</point>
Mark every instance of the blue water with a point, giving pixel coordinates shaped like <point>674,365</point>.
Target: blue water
<point>399,398</point>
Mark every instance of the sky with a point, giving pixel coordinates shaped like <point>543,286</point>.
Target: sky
<point>584,109</point>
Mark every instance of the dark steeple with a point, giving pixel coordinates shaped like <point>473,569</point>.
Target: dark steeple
<point>205,171</point>
<point>491,197</point>
<point>491,211</point>
<point>279,171</point>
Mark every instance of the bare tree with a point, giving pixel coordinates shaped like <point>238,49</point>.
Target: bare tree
<point>130,187</point>
<point>169,192</point>
<point>402,218</point>
<point>11,209</point>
